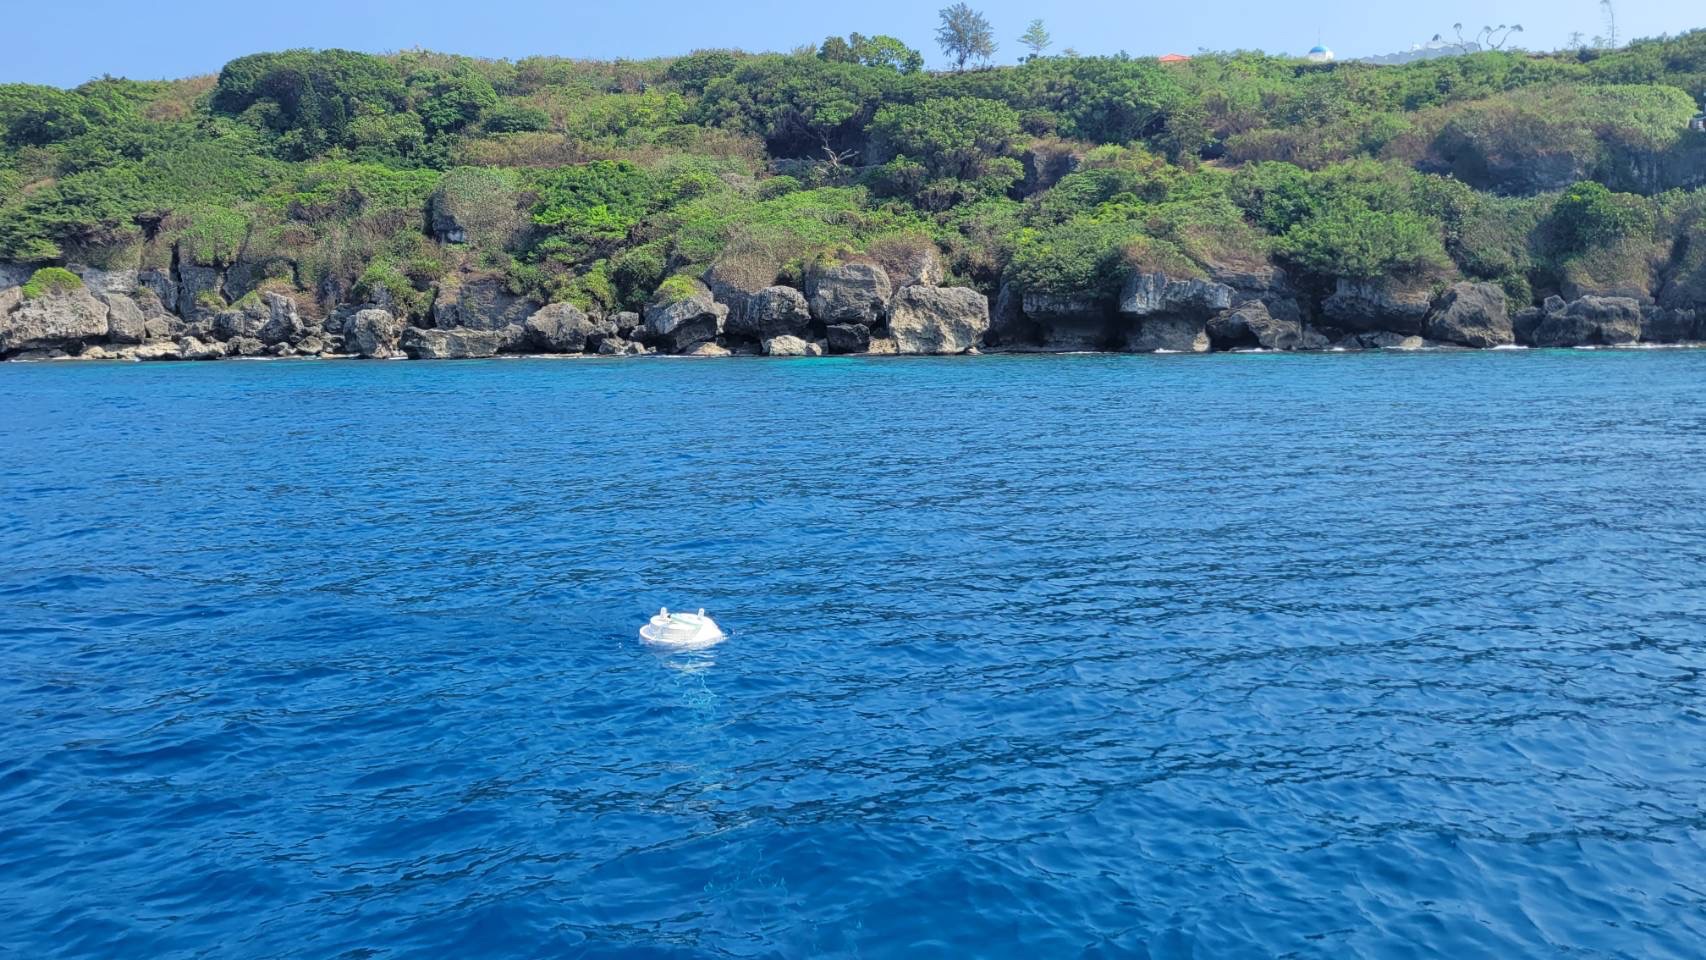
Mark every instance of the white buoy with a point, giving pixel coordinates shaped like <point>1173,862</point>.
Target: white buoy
<point>683,631</point>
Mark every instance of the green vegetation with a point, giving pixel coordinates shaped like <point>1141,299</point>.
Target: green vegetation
<point>50,280</point>
<point>965,35</point>
<point>344,174</point>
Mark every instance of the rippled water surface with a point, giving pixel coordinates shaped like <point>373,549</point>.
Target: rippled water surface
<point>1332,656</point>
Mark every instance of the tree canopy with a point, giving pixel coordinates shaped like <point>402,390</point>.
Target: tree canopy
<point>965,35</point>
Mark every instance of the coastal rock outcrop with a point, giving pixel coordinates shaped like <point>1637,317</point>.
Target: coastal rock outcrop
<point>1008,325</point>
<point>198,290</point>
<point>684,314</point>
<point>735,281</point>
<point>161,285</point>
<point>459,343</point>
<point>270,318</point>
<point>1373,305</point>
<point>1659,325</point>
<point>479,304</point>
<point>848,337</point>
<point>1589,321</point>
<point>56,320</point>
<point>619,347</point>
<point>565,328</point>
<point>1253,324</point>
<point>372,333</point>
<point>1076,322</point>
<point>848,292</point>
<point>1471,314</point>
<point>938,319</point>
<point>791,347</point>
<point>125,322</point>
<point>191,348</point>
<point>772,312</point>
<point>1155,294</point>
<point>1168,335</point>
<point>915,264</point>
<point>1384,340</point>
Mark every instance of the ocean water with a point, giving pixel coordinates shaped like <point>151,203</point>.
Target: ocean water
<point>1226,656</point>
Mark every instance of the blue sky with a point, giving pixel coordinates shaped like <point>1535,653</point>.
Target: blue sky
<point>65,42</point>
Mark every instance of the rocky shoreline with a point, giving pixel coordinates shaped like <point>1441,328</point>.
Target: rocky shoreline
<point>839,308</point>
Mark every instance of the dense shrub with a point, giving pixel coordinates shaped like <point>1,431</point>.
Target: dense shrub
<point>1349,239</point>
<point>1588,215</point>
<point>307,99</point>
<point>51,280</point>
<point>481,201</point>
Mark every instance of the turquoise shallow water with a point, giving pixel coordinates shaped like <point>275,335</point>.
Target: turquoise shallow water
<point>1317,656</point>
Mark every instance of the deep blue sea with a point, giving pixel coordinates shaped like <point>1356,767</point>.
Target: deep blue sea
<point>1103,656</point>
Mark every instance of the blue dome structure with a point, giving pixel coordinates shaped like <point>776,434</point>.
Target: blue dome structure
<point>1319,54</point>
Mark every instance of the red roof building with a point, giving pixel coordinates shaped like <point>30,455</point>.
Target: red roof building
<point>1174,58</point>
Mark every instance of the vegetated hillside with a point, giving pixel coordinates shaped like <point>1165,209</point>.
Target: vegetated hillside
<point>346,178</point>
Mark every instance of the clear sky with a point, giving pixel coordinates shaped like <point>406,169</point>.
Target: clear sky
<point>65,42</point>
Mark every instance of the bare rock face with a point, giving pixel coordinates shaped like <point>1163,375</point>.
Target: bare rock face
<point>1659,325</point>
<point>565,328</point>
<point>1048,306</point>
<point>1524,322</point>
<point>937,319</point>
<point>1252,324</point>
<point>13,275</point>
<point>772,312</point>
<point>1169,334</point>
<point>848,337</point>
<point>459,343</point>
<point>1008,324</point>
<point>919,265</point>
<point>680,322</point>
<point>848,293</point>
<point>1155,294</point>
<point>244,321</point>
<point>734,283</point>
<point>193,282</point>
<point>106,284</point>
<point>1372,305</point>
<point>708,349</point>
<point>479,305</point>
<point>161,284</point>
<point>1471,314</point>
<point>1079,322</point>
<point>149,303</point>
<point>152,350</point>
<point>618,347</point>
<point>125,322</point>
<point>791,347</point>
<point>190,348</point>
<point>1384,340</point>
<point>60,320</point>
<point>283,323</point>
<point>270,318</point>
<point>372,333</point>
<point>1589,321</point>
